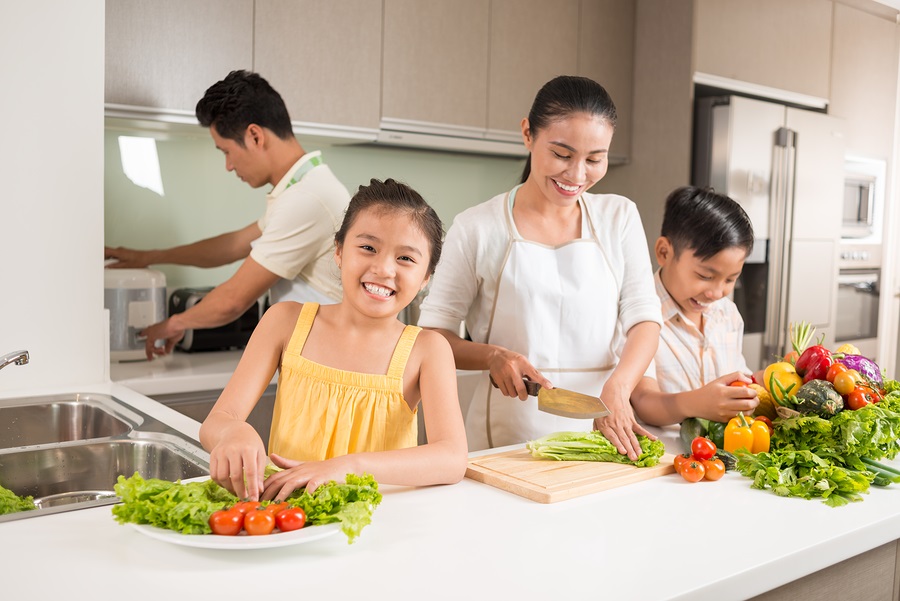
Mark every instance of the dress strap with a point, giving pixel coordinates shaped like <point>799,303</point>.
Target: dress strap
<point>301,330</point>
<point>402,351</point>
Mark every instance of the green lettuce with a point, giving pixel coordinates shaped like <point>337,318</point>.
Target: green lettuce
<point>592,446</point>
<point>10,502</point>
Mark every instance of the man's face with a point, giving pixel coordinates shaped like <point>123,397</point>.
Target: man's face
<point>246,161</point>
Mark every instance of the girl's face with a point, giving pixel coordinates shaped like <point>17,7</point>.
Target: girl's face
<point>695,283</point>
<point>383,262</point>
<point>568,156</point>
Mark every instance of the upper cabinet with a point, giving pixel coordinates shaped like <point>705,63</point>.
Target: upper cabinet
<point>324,58</point>
<point>772,43</point>
<point>166,53</point>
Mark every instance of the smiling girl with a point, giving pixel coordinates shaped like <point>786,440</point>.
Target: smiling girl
<point>351,375</point>
<point>553,283</point>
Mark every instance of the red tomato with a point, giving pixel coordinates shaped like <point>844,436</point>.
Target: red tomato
<point>860,397</point>
<point>226,522</point>
<point>292,518</point>
<point>275,508</point>
<point>738,383</point>
<point>834,370</point>
<point>766,421</point>
<point>244,506</point>
<point>703,448</point>
<point>680,460</point>
<point>693,471</point>
<point>791,357</point>
<point>259,521</point>
<point>714,467</point>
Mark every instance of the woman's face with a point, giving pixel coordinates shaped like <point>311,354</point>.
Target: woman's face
<point>568,156</point>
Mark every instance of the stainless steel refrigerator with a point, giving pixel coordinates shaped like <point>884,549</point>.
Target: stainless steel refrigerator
<point>785,166</point>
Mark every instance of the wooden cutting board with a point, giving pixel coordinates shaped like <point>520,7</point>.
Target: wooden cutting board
<point>549,481</point>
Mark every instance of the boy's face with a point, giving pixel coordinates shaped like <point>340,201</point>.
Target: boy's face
<point>694,283</point>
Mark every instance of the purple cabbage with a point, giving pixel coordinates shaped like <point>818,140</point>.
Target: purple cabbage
<point>865,366</point>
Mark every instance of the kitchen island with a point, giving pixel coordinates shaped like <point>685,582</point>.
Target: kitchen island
<point>659,539</point>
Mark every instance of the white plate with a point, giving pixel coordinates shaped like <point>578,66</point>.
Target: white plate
<point>241,541</point>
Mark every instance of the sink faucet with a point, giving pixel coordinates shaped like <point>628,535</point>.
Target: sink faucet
<point>17,357</point>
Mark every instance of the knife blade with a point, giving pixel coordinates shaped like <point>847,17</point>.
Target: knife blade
<point>565,403</point>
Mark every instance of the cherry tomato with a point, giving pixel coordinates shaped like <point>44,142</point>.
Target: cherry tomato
<point>244,506</point>
<point>834,370</point>
<point>791,357</point>
<point>275,508</point>
<point>766,421</point>
<point>226,522</point>
<point>693,471</point>
<point>703,448</point>
<point>292,518</point>
<point>259,521</point>
<point>738,383</point>
<point>714,467</point>
<point>860,397</point>
<point>844,382</point>
<point>680,461</point>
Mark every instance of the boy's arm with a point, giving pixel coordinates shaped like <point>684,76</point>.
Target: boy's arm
<point>717,401</point>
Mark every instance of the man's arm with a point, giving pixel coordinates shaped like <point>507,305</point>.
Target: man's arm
<point>211,252</point>
<point>223,304</point>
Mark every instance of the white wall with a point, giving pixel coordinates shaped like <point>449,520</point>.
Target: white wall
<point>51,192</point>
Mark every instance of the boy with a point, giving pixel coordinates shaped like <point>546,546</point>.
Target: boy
<point>701,250</point>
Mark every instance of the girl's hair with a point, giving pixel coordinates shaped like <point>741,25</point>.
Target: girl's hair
<point>391,196</point>
<point>705,222</point>
<point>563,96</point>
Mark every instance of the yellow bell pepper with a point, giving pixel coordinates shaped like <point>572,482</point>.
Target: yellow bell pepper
<point>761,436</point>
<point>744,432</point>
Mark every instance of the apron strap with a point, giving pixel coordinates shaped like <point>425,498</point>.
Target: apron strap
<point>315,159</point>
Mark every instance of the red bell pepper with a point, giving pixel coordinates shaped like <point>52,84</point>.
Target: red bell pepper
<point>813,363</point>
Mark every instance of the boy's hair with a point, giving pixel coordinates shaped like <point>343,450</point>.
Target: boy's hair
<point>390,196</point>
<point>240,99</point>
<point>564,96</point>
<point>705,222</point>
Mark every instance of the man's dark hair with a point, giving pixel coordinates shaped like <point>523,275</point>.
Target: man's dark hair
<point>705,222</point>
<point>240,99</point>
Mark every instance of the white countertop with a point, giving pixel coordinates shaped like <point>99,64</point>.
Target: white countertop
<point>178,372</point>
<point>470,540</point>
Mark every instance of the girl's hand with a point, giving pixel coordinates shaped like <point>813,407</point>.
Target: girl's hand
<point>300,474</point>
<point>239,464</point>
<point>724,397</point>
<point>508,369</point>
<point>620,426</point>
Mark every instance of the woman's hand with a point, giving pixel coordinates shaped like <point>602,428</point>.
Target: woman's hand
<point>720,400</point>
<point>620,426</point>
<point>508,369</point>
<point>300,474</point>
<point>239,464</point>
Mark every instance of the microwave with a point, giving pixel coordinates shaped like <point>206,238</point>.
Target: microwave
<point>863,199</point>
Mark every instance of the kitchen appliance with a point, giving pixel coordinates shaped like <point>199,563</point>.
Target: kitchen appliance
<point>858,297</point>
<point>785,166</point>
<point>565,403</point>
<point>863,206</point>
<point>549,481</point>
<point>234,335</point>
<point>135,298</point>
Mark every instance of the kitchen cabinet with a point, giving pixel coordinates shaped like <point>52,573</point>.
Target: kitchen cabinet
<point>166,53</point>
<point>435,62</point>
<point>772,43</point>
<point>864,80</point>
<point>324,58</point>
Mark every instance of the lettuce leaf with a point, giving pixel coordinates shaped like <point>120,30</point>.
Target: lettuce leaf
<point>10,502</point>
<point>592,446</point>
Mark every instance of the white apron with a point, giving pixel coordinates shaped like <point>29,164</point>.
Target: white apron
<point>559,308</point>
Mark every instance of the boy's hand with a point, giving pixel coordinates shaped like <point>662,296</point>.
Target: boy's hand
<point>724,397</point>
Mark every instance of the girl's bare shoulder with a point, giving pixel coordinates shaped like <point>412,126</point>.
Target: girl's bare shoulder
<point>431,344</point>
<point>283,312</point>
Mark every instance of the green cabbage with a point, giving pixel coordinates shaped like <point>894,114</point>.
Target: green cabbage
<point>592,446</point>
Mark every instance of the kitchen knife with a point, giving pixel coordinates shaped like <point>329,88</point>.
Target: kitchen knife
<point>565,403</point>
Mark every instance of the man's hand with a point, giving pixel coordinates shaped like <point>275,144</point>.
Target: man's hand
<point>168,331</point>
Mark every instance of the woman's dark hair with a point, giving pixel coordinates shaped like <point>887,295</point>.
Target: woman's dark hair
<point>563,96</point>
<point>705,222</point>
<point>240,99</point>
<point>391,196</point>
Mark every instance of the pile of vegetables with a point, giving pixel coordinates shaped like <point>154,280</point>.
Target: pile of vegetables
<point>10,502</point>
<point>592,446</point>
<point>187,507</point>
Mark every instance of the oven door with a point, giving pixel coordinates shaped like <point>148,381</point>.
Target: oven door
<point>857,305</point>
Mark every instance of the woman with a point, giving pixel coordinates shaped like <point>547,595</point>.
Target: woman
<point>554,284</point>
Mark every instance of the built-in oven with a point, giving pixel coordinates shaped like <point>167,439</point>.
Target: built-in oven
<point>859,297</point>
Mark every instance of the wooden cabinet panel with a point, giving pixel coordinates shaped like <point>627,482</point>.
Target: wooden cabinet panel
<point>784,45</point>
<point>532,41</point>
<point>166,53</point>
<point>323,57</point>
<point>435,61</point>
<point>606,55</point>
<point>864,80</point>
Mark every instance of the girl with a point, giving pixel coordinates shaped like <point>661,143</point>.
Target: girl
<point>351,375</point>
<point>551,280</point>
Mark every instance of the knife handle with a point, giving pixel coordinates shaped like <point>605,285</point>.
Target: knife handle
<point>531,386</point>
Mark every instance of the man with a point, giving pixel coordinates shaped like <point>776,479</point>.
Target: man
<point>289,251</point>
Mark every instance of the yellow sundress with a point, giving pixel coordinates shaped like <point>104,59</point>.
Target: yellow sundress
<point>323,412</point>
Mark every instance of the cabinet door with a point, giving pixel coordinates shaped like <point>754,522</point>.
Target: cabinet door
<point>166,53</point>
<point>323,57</point>
<point>532,41</point>
<point>606,55</point>
<point>435,61</point>
<point>783,45</point>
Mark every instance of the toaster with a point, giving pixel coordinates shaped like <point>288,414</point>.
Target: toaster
<point>234,335</point>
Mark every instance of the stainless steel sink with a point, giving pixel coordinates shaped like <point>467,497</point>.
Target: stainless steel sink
<point>67,452</point>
